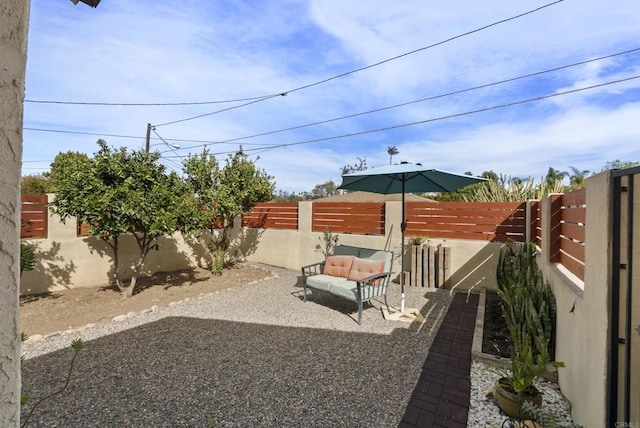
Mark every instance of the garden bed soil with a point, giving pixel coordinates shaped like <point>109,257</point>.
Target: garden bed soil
<point>495,336</point>
<point>75,308</point>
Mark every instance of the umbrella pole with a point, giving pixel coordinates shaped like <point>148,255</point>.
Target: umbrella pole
<point>403,226</point>
<point>404,314</point>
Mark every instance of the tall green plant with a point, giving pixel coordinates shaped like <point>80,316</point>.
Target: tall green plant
<point>529,308</point>
<point>27,258</point>
<point>507,189</point>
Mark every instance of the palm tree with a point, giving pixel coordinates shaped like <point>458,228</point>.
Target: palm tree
<point>578,179</point>
<point>391,151</point>
<point>554,175</point>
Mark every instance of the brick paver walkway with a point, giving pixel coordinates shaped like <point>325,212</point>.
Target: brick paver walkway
<point>441,397</point>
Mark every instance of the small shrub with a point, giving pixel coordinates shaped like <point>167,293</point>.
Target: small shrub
<point>77,345</point>
<point>328,243</point>
<point>417,240</point>
<point>27,258</point>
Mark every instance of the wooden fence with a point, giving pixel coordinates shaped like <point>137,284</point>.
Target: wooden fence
<point>273,215</point>
<point>486,221</point>
<point>535,222</point>
<point>364,218</point>
<point>566,246</point>
<point>442,220</point>
<point>34,217</point>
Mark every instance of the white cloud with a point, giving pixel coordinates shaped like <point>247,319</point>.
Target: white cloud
<point>197,51</point>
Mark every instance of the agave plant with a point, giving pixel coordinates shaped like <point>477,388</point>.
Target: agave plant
<point>27,258</point>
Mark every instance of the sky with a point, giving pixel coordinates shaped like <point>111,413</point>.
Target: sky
<point>308,87</point>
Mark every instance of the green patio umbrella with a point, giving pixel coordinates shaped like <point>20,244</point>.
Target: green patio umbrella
<point>404,178</point>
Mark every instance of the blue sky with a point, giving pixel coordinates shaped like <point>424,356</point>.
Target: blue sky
<point>194,51</point>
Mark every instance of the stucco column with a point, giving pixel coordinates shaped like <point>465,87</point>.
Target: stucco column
<point>596,295</point>
<point>14,20</point>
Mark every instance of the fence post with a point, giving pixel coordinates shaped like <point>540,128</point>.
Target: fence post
<point>528,218</point>
<point>430,267</point>
<point>444,265</point>
<point>555,217</point>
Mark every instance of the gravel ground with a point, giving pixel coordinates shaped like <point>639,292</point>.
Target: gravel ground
<point>484,412</point>
<point>252,356</point>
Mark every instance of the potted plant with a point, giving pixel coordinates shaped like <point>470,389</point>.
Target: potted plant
<point>528,306</point>
<point>517,386</point>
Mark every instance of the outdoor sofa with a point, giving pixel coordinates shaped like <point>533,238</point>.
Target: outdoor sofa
<point>352,273</point>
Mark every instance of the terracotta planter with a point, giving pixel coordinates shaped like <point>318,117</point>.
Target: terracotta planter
<point>510,402</point>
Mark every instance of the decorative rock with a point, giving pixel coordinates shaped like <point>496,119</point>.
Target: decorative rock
<point>34,338</point>
<point>132,315</point>
<point>91,324</point>
<point>120,318</point>
<point>146,311</point>
<point>154,308</point>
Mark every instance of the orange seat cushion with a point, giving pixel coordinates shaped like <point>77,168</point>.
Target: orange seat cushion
<point>338,265</point>
<point>362,268</point>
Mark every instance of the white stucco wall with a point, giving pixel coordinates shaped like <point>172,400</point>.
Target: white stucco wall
<point>67,261</point>
<point>582,309</point>
<point>14,18</point>
<point>64,260</point>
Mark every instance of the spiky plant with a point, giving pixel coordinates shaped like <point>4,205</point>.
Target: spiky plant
<point>507,189</point>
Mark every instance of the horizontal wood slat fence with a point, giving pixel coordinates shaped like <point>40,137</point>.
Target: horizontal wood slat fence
<point>364,218</point>
<point>567,240</point>
<point>535,223</point>
<point>34,217</point>
<point>273,215</point>
<point>82,229</point>
<point>487,221</point>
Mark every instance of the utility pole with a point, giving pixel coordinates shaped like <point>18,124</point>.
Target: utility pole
<point>146,147</point>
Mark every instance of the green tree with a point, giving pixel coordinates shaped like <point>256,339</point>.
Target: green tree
<point>553,176</point>
<point>578,178</point>
<point>325,189</point>
<point>223,194</point>
<point>35,184</point>
<point>465,193</point>
<point>360,165</point>
<point>284,196</point>
<point>618,164</point>
<point>392,151</point>
<point>119,192</point>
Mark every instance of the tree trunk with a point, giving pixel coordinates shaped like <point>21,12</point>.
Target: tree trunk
<point>145,247</point>
<point>116,275</point>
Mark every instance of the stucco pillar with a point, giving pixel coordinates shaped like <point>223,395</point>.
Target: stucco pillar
<point>596,297</point>
<point>14,20</point>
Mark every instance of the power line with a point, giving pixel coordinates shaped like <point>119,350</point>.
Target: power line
<point>467,113</point>
<point>62,131</point>
<point>168,144</point>
<point>204,143</point>
<point>220,111</point>
<point>538,73</point>
<point>357,70</point>
<point>404,125</point>
<point>428,47</point>
<point>193,103</point>
<point>265,97</point>
<point>177,140</point>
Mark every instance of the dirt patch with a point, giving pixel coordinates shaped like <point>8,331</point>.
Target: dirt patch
<point>495,337</point>
<point>70,309</point>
